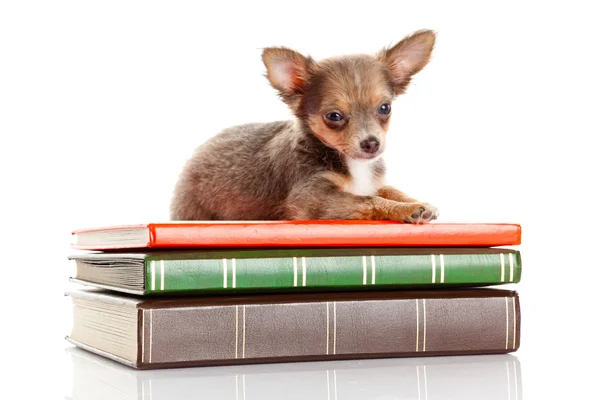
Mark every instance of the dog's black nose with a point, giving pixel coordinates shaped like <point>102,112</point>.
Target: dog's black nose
<point>370,145</point>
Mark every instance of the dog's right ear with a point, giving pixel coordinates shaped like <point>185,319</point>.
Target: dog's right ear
<point>287,71</point>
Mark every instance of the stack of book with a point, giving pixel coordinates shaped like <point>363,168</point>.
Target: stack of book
<point>214,293</point>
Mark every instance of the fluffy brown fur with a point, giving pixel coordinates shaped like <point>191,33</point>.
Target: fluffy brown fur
<point>325,164</point>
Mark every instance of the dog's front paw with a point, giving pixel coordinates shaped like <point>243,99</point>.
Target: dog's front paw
<point>421,213</point>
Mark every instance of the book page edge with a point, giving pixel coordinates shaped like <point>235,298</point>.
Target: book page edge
<point>107,287</point>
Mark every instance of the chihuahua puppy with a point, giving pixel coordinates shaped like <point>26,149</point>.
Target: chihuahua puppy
<point>327,163</point>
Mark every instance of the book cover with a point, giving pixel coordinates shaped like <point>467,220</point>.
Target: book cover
<point>215,234</point>
<point>233,271</point>
<point>177,332</point>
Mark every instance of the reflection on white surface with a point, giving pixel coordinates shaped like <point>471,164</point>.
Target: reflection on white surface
<point>429,378</point>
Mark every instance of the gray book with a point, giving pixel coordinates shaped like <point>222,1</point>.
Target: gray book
<point>169,332</point>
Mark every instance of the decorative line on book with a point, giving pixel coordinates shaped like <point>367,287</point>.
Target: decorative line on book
<point>237,388</point>
<point>364,260</point>
<point>424,326</point>
<point>237,310</point>
<point>501,267</point>
<point>233,272</point>
<point>516,385</point>
<point>334,326</point>
<point>417,303</point>
<point>442,267</point>
<point>514,324</point>
<point>162,274</point>
<point>510,262</point>
<point>224,273</point>
<point>303,271</point>
<point>295,271</point>
<point>153,274</point>
<point>327,340</point>
<point>372,270</point>
<point>150,337</point>
<point>143,335</point>
<point>432,268</point>
<point>244,331</point>
<point>506,302</point>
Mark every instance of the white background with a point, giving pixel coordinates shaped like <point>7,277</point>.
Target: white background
<point>101,103</point>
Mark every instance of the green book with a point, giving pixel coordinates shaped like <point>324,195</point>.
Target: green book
<point>231,271</point>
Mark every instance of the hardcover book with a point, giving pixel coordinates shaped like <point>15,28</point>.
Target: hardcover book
<point>164,332</point>
<point>213,234</point>
<point>490,377</point>
<point>235,271</point>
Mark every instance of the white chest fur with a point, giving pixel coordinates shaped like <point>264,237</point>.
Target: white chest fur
<point>363,182</point>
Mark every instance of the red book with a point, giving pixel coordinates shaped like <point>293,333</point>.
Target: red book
<point>246,234</point>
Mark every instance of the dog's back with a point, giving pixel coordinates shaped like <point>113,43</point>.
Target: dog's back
<point>244,173</point>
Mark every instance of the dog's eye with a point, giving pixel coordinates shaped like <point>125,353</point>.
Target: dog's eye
<point>385,108</point>
<point>334,116</point>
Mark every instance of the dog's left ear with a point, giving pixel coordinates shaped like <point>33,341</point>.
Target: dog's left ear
<point>408,57</point>
<point>287,71</point>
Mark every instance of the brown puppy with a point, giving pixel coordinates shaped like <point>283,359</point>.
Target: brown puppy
<point>326,164</point>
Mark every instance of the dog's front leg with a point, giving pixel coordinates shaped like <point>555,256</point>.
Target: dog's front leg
<point>391,193</point>
<point>322,198</point>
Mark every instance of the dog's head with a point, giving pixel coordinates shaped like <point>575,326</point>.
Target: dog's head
<point>347,101</point>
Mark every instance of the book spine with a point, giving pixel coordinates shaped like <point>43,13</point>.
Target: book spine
<point>334,234</point>
<point>330,330</point>
<point>227,274</point>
